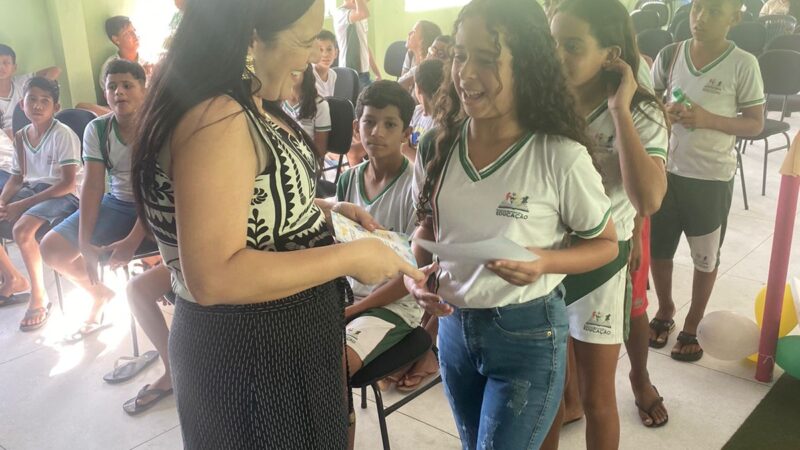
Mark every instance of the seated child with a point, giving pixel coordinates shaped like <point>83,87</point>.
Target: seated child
<point>328,52</point>
<point>310,110</point>
<point>382,186</point>
<point>11,85</point>
<point>122,34</point>
<point>429,76</point>
<point>40,192</point>
<point>75,246</point>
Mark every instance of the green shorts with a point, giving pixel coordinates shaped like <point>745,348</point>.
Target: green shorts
<point>697,208</point>
<point>374,331</point>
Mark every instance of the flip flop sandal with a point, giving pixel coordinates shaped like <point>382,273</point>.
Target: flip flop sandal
<point>43,312</point>
<point>86,330</point>
<point>687,339</point>
<point>424,378</point>
<point>14,299</point>
<point>660,326</point>
<point>128,367</point>
<point>649,411</point>
<point>387,382</point>
<point>134,406</point>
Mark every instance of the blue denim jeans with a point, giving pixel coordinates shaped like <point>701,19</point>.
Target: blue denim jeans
<point>503,371</point>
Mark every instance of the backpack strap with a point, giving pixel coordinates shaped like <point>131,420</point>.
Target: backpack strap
<point>670,53</point>
<point>104,135</point>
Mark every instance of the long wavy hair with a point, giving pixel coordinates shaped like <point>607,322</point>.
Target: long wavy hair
<point>206,59</point>
<point>543,101</point>
<point>308,95</point>
<point>430,31</point>
<point>611,25</point>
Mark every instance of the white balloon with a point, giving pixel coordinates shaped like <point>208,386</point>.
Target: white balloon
<point>728,335</point>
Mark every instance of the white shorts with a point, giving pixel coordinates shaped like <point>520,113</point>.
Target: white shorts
<point>599,317</point>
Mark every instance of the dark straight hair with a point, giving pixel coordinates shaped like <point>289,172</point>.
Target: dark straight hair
<point>206,59</point>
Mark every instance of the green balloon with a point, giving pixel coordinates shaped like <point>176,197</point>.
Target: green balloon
<point>788,355</point>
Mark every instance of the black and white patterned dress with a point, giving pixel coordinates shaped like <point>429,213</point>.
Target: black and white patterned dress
<point>266,375</point>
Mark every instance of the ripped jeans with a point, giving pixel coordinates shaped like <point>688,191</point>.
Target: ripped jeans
<point>503,371</point>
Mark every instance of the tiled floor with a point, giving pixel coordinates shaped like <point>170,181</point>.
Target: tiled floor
<point>54,396</point>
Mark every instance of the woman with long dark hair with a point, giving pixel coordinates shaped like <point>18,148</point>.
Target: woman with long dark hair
<point>226,181</point>
<point>419,40</point>
<point>509,160</point>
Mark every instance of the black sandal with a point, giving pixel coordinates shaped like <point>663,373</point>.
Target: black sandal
<point>42,312</point>
<point>660,326</point>
<point>685,338</point>
<point>649,411</point>
<point>134,406</point>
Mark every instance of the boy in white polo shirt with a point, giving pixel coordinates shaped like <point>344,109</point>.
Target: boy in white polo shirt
<point>719,81</point>
<point>11,85</point>
<point>40,192</point>
<point>323,75</point>
<point>350,25</point>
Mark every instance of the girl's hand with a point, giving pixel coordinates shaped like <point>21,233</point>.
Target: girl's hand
<point>122,253</point>
<point>430,302</point>
<point>621,98</point>
<point>357,214</point>
<point>376,262</point>
<point>520,273</point>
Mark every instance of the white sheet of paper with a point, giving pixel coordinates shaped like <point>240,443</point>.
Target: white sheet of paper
<point>480,252</point>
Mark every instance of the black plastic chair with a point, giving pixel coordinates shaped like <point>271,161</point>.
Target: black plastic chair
<point>785,42</point>
<point>76,119</point>
<point>749,36</point>
<point>18,119</point>
<point>753,6</point>
<point>680,14</point>
<point>339,141</point>
<point>645,20</point>
<point>660,8</point>
<point>411,348</point>
<point>347,85</point>
<point>779,69</point>
<point>394,58</point>
<point>682,31</point>
<point>792,103</point>
<point>778,25</point>
<point>748,17</point>
<point>651,41</point>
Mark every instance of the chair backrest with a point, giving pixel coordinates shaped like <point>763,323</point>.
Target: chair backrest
<point>342,117</point>
<point>347,85</point>
<point>779,69</point>
<point>645,20</point>
<point>778,25</point>
<point>753,6</point>
<point>18,119</point>
<point>651,41</point>
<point>785,42</point>
<point>395,56</point>
<point>677,18</point>
<point>682,30</point>
<point>76,119</point>
<point>661,9</point>
<point>749,36</point>
<point>748,16</point>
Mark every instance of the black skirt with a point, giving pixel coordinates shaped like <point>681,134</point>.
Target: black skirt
<point>262,376</point>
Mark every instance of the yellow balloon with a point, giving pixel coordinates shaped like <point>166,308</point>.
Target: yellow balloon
<point>788,313</point>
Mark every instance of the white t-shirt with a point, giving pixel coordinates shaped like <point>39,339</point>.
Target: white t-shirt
<point>394,209</point>
<point>325,88</point>
<point>119,154</point>
<point>643,75</point>
<point>7,104</point>
<point>534,193</point>
<point>321,121</point>
<point>6,152</point>
<point>341,20</point>
<point>723,87</point>
<point>420,124</point>
<point>58,147</point>
<point>651,126</point>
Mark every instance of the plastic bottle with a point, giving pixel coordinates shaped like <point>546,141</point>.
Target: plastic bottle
<point>678,96</point>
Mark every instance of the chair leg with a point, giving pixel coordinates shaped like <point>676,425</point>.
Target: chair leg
<point>381,416</point>
<point>741,174</point>
<point>59,292</point>
<point>338,169</point>
<point>364,397</point>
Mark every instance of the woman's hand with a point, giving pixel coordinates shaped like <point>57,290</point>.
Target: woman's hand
<point>621,98</point>
<point>520,273</point>
<point>376,262</point>
<point>430,302</point>
<point>357,214</point>
<point>91,258</point>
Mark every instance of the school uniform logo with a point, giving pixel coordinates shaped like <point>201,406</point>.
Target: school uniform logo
<point>599,323</point>
<point>714,86</point>
<point>514,205</point>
